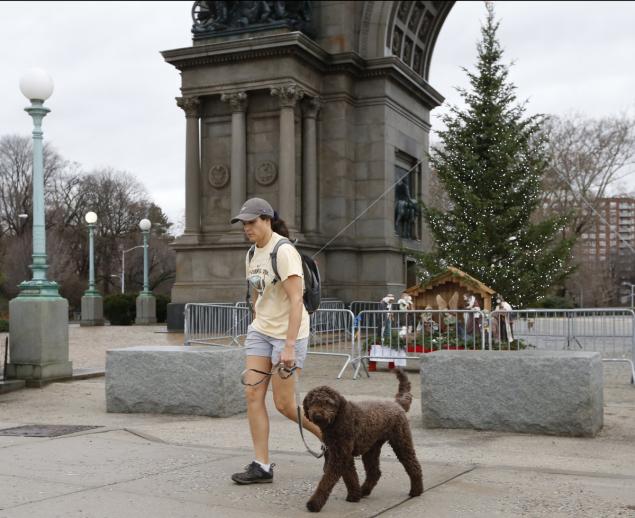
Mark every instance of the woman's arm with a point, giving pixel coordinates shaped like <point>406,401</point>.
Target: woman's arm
<point>294,290</point>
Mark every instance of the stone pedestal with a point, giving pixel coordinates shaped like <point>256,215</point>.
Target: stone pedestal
<point>146,309</point>
<point>39,339</point>
<point>92,310</point>
<point>549,392</point>
<point>176,317</point>
<point>196,380</point>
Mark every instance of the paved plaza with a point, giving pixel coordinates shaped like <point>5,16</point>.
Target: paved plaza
<point>140,465</point>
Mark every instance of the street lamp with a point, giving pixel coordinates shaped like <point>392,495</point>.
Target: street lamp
<point>632,293</point>
<point>91,219</point>
<point>146,302</point>
<point>145,225</point>
<point>123,266</point>
<point>37,86</point>
<point>38,315</point>
<point>92,302</point>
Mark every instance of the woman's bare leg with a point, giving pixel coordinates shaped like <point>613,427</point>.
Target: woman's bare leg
<point>256,407</point>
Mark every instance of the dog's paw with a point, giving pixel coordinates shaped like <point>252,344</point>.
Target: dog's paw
<point>355,497</point>
<point>314,506</point>
<point>416,491</point>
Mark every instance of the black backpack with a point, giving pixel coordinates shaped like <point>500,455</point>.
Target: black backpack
<point>310,270</point>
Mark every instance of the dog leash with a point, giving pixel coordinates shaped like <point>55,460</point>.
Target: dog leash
<point>285,373</point>
<point>278,368</point>
<point>299,410</point>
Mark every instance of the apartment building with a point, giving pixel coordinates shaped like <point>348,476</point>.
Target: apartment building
<point>612,233</point>
<point>610,240</point>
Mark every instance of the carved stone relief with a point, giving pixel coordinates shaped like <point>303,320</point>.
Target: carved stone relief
<point>218,176</point>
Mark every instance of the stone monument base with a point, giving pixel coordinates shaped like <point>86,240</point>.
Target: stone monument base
<point>559,393</point>
<point>195,380</point>
<point>92,310</point>
<point>176,317</point>
<point>38,344</point>
<point>146,309</point>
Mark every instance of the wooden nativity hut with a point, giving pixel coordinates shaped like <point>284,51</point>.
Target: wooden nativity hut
<point>446,291</point>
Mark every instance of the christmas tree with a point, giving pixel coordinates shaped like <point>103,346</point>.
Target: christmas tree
<point>490,163</point>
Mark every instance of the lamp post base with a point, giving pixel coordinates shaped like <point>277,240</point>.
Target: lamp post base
<point>146,309</point>
<point>92,310</point>
<point>38,344</point>
<point>39,288</point>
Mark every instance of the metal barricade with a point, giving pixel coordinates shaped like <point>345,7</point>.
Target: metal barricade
<point>360,307</point>
<point>224,324</point>
<point>216,324</point>
<point>357,306</point>
<point>332,304</point>
<point>322,320</point>
<point>332,334</point>
<point>608,331</point>
<point>396,336</point>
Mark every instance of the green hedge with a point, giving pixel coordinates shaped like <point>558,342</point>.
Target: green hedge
<point>555,302</point>
<point>4,326</point>
<point>120,309</point>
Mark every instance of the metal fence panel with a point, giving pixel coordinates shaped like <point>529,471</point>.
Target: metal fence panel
<point>397,336</point>
<point>216,324</point>
<point>360,307</point>
<point>332,334</point>
<point>331,331</point>
<point>608,331</point>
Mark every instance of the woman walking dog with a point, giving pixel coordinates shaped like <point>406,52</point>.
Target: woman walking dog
<point>278,335</point>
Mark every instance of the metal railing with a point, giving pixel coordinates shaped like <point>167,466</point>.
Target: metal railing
<point>397,336</point>
<point>216,324</point>
<point>223,324</point>
<point>332,334</point>
<point>359,309</point>
<point>608,331</point>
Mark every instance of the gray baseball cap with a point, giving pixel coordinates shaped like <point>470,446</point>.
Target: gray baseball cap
<point>253,208</point>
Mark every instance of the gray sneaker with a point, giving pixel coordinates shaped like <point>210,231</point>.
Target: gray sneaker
<point>254,474</point>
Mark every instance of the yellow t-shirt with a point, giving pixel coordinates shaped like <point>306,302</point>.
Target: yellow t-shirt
<point>273,306</point>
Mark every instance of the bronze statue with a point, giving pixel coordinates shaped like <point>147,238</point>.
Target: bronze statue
<point>213,17</point>
<point>406,211</point>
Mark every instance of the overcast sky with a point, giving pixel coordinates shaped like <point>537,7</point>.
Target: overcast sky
<point>113,103</point>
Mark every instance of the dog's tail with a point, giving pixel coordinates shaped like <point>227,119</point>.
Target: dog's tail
<point>403,396</point>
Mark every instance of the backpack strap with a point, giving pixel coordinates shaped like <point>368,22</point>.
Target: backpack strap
<point>274,257</point>
<point>250,255</point>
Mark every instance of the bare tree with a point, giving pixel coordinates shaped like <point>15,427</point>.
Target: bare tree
<point>587,157</point>
<point>120,202</point>
<point>16,164</point>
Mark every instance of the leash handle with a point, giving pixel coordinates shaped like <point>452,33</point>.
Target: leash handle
<point>277,368</point>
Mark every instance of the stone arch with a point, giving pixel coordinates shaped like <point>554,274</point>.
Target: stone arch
<point>405,29</point>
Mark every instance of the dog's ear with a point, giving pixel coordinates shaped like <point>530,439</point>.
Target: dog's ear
<point>339,400</point>
<point>305,405</point>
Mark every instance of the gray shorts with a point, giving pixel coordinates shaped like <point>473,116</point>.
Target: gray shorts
<point>258,344</point>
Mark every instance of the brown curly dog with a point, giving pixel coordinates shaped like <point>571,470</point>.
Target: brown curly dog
<point>352,429</point>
